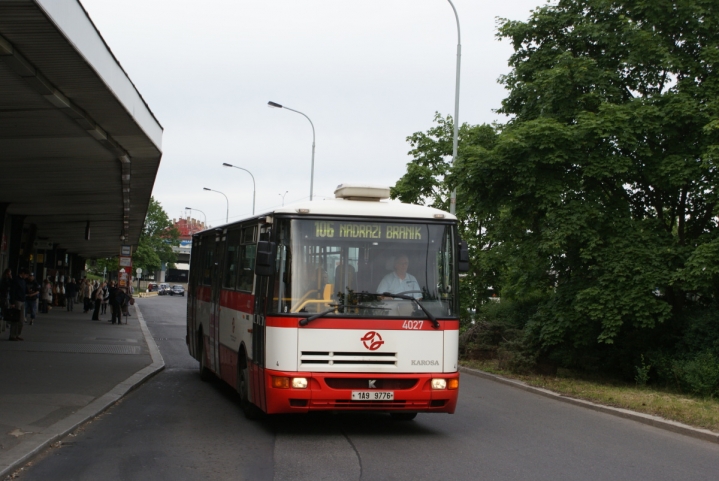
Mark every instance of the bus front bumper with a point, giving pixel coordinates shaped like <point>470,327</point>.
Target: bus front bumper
<point>333,392</point>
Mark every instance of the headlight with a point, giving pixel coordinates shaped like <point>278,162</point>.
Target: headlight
<point>439,384</point>
<point>299,383</point>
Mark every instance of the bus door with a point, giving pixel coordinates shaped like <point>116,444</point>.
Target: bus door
<point>218,256</point>
<point>262,298</point>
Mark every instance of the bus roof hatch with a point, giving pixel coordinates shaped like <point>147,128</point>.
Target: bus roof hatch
<point>361,192</point>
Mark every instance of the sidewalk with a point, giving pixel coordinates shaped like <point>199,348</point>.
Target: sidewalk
<point>66,371</point>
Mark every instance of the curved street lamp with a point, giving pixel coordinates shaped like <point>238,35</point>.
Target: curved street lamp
<point>227,215</point>
<point>283,197</point>
<point>453,197</point>
<point>312,170</point>
<point>254,186</point>
<point>198,210</point>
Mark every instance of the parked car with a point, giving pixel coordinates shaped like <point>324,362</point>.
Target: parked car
<point>177,290</point>
<point>163,290</point>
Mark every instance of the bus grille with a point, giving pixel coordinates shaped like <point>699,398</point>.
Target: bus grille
<point>380,383</point>
<point>329,358</point>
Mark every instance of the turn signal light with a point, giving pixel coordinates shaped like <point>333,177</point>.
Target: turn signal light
<point>453,383</point>
<point>280,382</point>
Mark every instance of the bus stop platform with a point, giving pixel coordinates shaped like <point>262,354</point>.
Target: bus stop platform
<point>67,370</point>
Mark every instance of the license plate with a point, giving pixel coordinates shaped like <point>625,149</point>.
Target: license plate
<point>372,395</point>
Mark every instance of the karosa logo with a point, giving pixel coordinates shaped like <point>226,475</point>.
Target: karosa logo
<point>372,340</point>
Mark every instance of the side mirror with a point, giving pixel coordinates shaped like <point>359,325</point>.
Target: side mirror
<point>463,264</point>
<point>265,258</point>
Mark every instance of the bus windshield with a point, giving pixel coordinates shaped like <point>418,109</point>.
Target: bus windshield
<point>351,268</point>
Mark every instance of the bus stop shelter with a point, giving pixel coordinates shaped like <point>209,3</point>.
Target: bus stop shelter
<point>79,147</point>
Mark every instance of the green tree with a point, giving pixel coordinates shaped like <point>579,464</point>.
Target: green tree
<point>154,248</point>
<point>428,182</point>
<point>158,237</point>
<point>606,174</point>
<point>599,194</point>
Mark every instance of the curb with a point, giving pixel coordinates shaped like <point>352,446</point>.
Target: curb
<point>656,421</point>
<point>23,452</point>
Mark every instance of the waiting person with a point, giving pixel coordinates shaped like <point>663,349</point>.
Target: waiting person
<point>97,299</point>
<point>60,289</point>
<point>86,295</point>
<point>78,288</point>
<point>17,301</point>
<point>32,295</point>
<point>5,286</point>
<point>46,296</point>
<point>400,280</point>
<point>70,294</point>
<point>105,298</point>
<point>117,299</point>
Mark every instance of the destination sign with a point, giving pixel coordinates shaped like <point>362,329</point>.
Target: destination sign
<point>367,230</point>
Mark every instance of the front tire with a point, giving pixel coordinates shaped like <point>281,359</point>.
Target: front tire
<point>251,411</point>
<point>205,373</point>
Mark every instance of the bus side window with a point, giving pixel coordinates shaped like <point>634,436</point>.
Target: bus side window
<point>232,263</point>
<point>207,265</point>
<point>246,274</point>
<point>247,262</point>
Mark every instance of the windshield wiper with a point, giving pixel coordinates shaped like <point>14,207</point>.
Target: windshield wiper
<point>307,320</point>
<point>435,322</point>
<point>431,317</point>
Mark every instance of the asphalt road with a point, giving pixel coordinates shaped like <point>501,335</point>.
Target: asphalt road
<point>176,427</point>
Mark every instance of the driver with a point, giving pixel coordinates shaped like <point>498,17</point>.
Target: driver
<point>400,281</point>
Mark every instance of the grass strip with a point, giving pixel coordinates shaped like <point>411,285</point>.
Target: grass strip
<point>700,413</point>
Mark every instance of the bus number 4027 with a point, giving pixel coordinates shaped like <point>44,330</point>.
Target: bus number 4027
<point>414,325</point>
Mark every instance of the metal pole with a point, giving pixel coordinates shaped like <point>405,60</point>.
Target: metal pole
<point>453,197</point>
<point>254,186</point>
<point>312,169</point>
<point>227,214</point>
<point>198,210</point>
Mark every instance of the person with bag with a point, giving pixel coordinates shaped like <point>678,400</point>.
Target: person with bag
<point>105,298</point>
<point>32,293</point>
<point>116,299</point>
<point>97,299</point>
<point>86,295</point>
<point>5,284</point>
<point>60,289</point>
<point>17,305</point>
<point>70,294</point>
<point>46,296</point>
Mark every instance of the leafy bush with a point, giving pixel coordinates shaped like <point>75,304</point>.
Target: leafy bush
<point>498,334</point>
<point>642,370</point>
<point>698,375</point>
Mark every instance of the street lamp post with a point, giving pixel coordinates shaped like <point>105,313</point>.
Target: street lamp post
<point>312,170</point>
<point>254,186</point>
<point>203,214</point>
<point>453,197</point>
<point>283,197</point>
<point>227,215</point>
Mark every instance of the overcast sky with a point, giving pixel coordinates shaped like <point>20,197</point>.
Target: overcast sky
<point>368,73</point>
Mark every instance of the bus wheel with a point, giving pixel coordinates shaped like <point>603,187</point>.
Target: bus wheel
<point>403,416</point>
<point>205,373</point>
<point>251,411</point>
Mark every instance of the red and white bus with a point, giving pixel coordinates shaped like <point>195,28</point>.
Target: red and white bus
<point>285,307</point>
